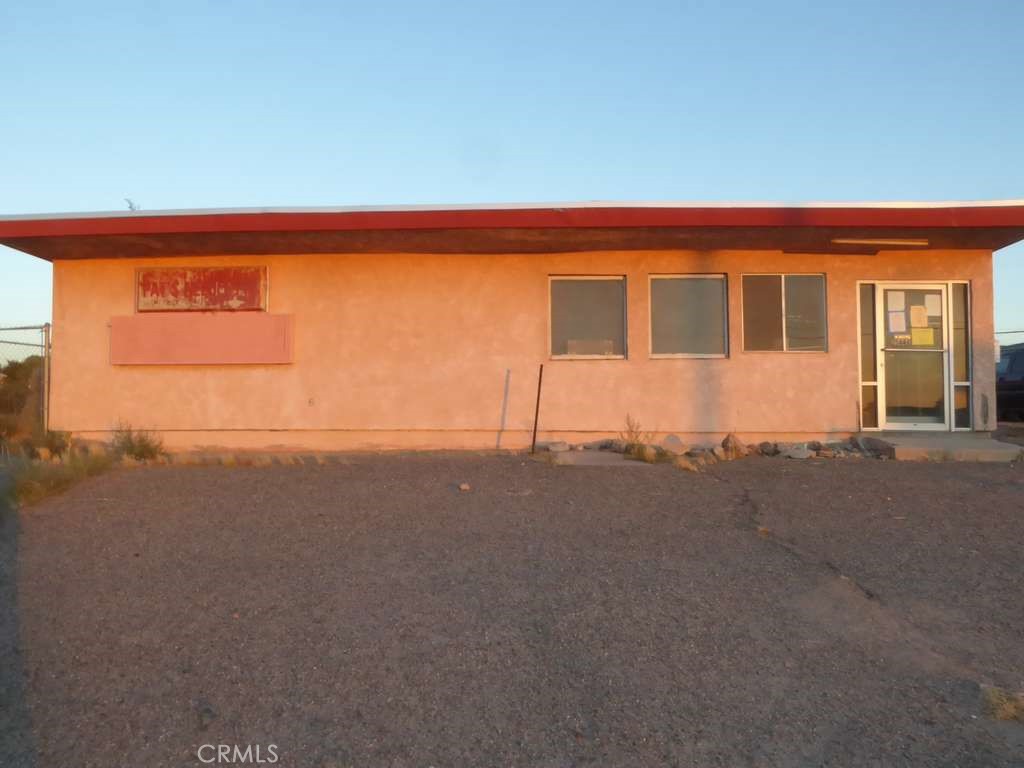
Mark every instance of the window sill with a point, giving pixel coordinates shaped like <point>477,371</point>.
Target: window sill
<point>587,357</point>
<point>785,351</point>
<point>684,356</point>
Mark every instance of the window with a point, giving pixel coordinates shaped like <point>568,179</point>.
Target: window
<point>688,315</point>
<point>868,360</point>
<point>961,364</point>
<point>588,317</point>
<point>784,313</point>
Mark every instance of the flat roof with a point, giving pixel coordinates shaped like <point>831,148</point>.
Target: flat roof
<point>517,227</point>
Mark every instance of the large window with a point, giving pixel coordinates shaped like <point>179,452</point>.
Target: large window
<point>588,317</point>
<point>784,313</point>
<point>688,316</point>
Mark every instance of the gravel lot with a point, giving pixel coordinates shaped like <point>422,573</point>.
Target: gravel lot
<point>768,612</point>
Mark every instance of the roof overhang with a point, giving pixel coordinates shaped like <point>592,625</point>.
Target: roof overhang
<point>815,227</point>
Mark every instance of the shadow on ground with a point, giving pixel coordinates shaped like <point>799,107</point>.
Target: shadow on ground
<point>16,744</point>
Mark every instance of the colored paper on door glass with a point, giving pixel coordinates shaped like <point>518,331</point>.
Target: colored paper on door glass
<point>897,322</point>
<point>922,337</point>
<point>918,316</point>
<point>933,303</point>
<point>896,300</point>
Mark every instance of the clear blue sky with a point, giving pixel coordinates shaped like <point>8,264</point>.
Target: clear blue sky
<point>239,103</point>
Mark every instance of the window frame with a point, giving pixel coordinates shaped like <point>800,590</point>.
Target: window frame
<point>785,342</point>
<point>625,317</point>
<point>724,277</point>
<point>969,354</point>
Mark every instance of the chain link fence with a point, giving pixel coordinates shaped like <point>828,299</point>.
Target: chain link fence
<point>24,383</point>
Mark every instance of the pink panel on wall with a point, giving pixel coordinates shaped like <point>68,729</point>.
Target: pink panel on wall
<point>254,338</point>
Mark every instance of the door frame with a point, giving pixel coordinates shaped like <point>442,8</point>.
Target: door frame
<point>947,384</point>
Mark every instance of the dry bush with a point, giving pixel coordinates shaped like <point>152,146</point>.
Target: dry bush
<point>136,443</point>
<point>634,434</point>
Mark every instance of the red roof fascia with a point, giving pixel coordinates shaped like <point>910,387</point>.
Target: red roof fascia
<point>527,218</point>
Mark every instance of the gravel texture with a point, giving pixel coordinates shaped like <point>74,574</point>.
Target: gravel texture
<point>766,612</point>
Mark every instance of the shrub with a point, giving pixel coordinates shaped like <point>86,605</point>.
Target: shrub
<point>8,426</point>
<point>634,435</point>
<point>136,443</point>
<point>57,443</point>
<point>20,379</point>
<point>28,448</point>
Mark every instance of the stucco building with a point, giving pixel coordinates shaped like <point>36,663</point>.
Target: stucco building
<point>415,327</point>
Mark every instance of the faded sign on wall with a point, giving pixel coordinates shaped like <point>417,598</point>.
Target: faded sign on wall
<point>201,289</point>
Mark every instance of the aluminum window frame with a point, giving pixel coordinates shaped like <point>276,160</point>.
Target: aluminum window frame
<point>724,277</point>
<point>785,342</point>
<point>625,317</point>
<point>860,352</point>
<point>953,384</point>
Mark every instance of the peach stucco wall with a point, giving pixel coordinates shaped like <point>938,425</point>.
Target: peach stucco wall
<point>412,350</point>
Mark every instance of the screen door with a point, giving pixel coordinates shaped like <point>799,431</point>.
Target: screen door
<point>913,357</point>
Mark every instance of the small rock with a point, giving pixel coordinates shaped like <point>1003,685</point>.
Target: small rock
<point>799,452</point>
<point>619,446</point>
<point>686,463</point>
<point>464,487</point>
<point>558,446</point>
<point>205,715</point>
<point>579,447</point>
<point>768,448</point>
<point>826,453</point>
<point>598,445</point>
<point>734,449</point>
<point>702,456</point>
<point>814,445</point>
<point>720,453</point>
<point>672,444</point>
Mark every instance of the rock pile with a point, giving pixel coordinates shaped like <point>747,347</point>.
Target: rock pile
<point>695,457</point>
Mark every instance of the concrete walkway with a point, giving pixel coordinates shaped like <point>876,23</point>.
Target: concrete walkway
<point>941,446</point>
<point>596,459</point>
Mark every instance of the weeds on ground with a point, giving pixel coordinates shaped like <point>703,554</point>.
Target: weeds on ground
<point>136,443</point>
<point>34,480</point>
<point>57,443</point>
<point>1003,705</point>
<point>638,442</point>
<point>634,434</point>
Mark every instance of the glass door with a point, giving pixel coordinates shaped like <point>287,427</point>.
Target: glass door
<point>913,359</point>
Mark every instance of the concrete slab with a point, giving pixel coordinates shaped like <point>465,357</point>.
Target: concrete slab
<point>941,446</point>
<point>595,459</point>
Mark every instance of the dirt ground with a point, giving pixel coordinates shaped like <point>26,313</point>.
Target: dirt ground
<point>769,612</point>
